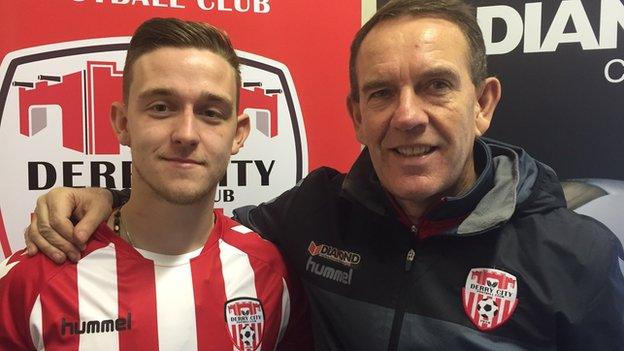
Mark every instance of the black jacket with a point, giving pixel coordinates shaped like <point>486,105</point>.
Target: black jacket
<point>374,282</point>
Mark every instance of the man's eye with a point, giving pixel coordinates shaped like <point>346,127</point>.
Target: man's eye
<point>212,113</point>
<point>159,108</point>
<point>439,86</point>
<point>380,94</point>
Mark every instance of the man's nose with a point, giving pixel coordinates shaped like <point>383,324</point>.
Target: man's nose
<point>185,128</point>
<point>409,113</point>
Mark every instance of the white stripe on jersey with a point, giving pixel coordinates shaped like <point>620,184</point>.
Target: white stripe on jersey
<point>285,311</point>
<point>175,301</point>
<point>242,229</point>
<point>97,272</point>
<point>238,275</point>
<point>36,324</point>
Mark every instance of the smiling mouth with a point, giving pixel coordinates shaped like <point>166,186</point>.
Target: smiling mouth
<point>182,160</point>
<point>414,151</point>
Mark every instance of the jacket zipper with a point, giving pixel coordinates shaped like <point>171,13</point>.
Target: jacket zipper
<point>397,322</point>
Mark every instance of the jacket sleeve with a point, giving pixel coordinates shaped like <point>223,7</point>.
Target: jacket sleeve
<point>298,334</point>
<point>601,325</point>
<point>17,296</point>
<point>273,219</point>
<point>268,218</point>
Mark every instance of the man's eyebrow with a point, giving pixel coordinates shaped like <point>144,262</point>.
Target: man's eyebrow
<point>166,92</point>
<point>216,98</point>
<point>435,72</point>
<point>156,92</point>
<point>441,72</point>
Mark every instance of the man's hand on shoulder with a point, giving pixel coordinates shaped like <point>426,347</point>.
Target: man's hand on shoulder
<point>51,229</point>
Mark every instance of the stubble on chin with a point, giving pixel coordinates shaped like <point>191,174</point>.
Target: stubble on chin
<point>178,195</point>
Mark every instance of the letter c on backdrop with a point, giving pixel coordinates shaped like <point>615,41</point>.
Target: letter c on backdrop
<point>607,71</point>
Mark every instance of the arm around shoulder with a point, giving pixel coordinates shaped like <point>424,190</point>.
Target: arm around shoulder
<point>298,334</point>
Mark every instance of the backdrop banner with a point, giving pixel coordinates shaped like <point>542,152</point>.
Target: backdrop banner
<point>62,67</point>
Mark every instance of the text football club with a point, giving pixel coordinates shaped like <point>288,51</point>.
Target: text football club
<point>489,297</point>
<point>54,104</point>
<point>240,6</point>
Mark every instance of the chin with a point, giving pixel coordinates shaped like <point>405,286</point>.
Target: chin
<point>183,194</point>
<point>418,191</point>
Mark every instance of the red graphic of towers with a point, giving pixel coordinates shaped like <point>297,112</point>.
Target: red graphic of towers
<point>84,98</point>
<point>264,105</point>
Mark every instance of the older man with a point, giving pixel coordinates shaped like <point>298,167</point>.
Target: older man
<point>436,238</point>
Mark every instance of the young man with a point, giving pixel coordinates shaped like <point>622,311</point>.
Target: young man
<point>166,272</point>
<point>437,239</point>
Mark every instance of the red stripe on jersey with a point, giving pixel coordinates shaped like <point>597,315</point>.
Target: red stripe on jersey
<point>209,292</point>
<point>17,297</point>
<point>269,287</point>
<point>136,295</point>
<point>59,309</point>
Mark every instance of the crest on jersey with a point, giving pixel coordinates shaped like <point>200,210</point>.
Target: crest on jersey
<point>245,321</point>
<point>489,297</point>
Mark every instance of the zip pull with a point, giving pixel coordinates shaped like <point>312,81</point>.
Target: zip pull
<point>409,260</point>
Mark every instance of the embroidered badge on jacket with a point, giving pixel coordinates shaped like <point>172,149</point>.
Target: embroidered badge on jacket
<point>489,297</point>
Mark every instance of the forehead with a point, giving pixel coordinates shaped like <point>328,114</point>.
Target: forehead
<point>186,71</point>
<point>417,41</point>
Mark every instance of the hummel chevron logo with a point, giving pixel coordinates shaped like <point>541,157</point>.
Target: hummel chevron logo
<point>5,266</point>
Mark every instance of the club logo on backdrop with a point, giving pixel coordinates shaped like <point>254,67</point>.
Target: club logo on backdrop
<point>489,297</point>
<point>245,320</point>
<point>55,127</point>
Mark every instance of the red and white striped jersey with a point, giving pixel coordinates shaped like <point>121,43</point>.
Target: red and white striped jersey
<point>232,294</point>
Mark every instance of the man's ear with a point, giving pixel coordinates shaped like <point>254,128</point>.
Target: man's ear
<point>119,120</point>
<point>489,93</point>
<point>242,132</point>
<point>356,117</point>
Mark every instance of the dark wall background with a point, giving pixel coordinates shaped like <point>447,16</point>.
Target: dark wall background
<point>559,105</point>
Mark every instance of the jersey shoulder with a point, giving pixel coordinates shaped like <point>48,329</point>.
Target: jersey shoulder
<point>27,274</point>
<point>252,244</point>
<point>22,272</point>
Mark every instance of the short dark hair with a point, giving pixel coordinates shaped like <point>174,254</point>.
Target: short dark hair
<point>157,33</point>
<point>455,11</point>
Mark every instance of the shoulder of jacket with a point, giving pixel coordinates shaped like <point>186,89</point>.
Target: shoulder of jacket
<point>324,174</point>
<point>561,234</point>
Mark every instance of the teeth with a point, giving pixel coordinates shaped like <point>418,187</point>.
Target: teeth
<point>413,150</point>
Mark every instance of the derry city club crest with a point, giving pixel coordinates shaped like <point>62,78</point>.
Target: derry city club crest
<point>245,319</point>
<point>489,297</point>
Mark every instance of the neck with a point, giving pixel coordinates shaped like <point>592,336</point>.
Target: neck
<point>414,210</point>
<point>167,228</point>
